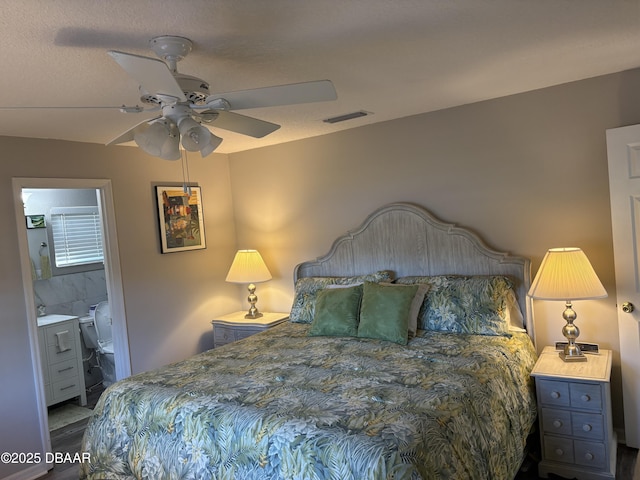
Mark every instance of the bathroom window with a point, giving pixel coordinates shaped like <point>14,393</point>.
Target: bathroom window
<point>77,236</point>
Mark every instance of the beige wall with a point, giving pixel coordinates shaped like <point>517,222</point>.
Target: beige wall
<point>169,299</point>
<point>526,172</point>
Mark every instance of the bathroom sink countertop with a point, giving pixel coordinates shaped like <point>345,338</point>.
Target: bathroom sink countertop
<point>53,318</point>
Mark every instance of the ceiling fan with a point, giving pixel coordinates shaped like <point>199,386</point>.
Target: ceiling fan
<point>186,106</point>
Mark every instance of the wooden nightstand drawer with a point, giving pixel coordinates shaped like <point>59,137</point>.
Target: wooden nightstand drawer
<point>585,396</point>
<point>587,425</point>
<point>553,393</point>
<point>247,332</point>
<point>582,396</point>
<point>556,421</point>
<point>590,454</point>
<point>564,422</point>
<point>224,335</point>
<point>558,449</point>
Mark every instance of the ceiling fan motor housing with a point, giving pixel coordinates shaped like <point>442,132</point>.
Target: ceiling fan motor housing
<point>195,89</point>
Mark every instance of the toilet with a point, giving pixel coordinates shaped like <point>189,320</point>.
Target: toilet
<point>96,332</point>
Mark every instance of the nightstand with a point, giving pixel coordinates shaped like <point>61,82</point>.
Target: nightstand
<point>232,327</point>
<point>574,414</point>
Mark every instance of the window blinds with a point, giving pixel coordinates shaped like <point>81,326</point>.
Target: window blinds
<point>77,237</point>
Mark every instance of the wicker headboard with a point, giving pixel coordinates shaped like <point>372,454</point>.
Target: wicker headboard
<point>409,240</point>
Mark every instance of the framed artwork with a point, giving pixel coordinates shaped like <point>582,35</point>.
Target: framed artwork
<point>35,221</point>
<point>180,218</point>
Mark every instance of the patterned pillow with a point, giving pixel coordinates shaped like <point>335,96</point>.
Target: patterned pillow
<point>304,301</point>
<point>464,304</point>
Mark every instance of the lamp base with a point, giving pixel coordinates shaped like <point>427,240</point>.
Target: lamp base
<point>252,298</point>
<point>571,352</point>
<point>572,358</point>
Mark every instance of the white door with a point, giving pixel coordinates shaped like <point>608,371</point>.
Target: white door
<point>623,150</point>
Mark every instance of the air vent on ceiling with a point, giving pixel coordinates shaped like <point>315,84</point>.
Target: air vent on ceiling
<point>347,116</point>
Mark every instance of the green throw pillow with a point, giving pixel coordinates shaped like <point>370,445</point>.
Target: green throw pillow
<point>384,313</point>
<point>337,312</point>
<point>306,289</point>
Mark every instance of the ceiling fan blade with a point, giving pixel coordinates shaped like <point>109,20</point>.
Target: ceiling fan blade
<point>152,74</point>
<point>128,135</point>
<point>122,108</point>
<point>306,92</point>
<point>250,126</point>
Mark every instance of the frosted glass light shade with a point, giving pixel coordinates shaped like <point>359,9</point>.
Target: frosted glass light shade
<point>566,274</point>
<point>211,146</point>
<point>151,138</point>
<point>159,139</point>
<point>194,136</point>
<point>248,267</point>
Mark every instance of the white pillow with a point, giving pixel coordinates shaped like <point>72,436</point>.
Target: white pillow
<point>514,317</point>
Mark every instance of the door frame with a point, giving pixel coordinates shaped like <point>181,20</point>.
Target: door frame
<point>113,277</point>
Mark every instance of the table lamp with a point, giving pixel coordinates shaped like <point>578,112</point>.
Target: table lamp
<point>566,274</point>
<point>248,267</point>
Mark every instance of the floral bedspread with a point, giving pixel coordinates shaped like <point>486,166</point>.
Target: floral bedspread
<point>281,405</point>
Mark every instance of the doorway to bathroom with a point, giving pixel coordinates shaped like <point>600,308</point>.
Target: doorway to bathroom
<point>68,287</point>
<point>64,233</point>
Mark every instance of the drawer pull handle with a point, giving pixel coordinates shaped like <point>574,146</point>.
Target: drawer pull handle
<point>557,423</point>
<point>588,456</point>
<point>586,427</point>
<point>586,398</point>
<point>65,369</point>
<point>555,395</point>
<point>559,452</point>
<point>68,387</point>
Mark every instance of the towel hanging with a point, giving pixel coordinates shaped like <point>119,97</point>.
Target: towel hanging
<point>34,275</point>
<point>64,341</point>
<point>45,266</point>
<point>45,263</point>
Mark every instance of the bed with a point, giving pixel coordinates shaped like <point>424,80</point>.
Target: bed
<point>407,356</point>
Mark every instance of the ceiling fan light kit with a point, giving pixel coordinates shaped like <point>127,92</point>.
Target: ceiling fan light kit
<point>194,135</point>
<point>159,139</point>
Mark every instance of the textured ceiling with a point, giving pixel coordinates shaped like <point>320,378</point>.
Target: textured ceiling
<point>392,58</point>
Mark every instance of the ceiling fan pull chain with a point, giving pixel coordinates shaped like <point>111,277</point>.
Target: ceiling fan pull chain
<point>186,182</point>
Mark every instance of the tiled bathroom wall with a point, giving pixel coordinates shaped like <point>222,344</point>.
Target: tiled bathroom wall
<point>71,294</point>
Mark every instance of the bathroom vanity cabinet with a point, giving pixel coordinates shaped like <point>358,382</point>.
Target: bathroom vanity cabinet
<point>61,357</point>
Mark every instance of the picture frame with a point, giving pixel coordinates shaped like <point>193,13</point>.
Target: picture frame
<point>35,221</point>
<point>181,219</point>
